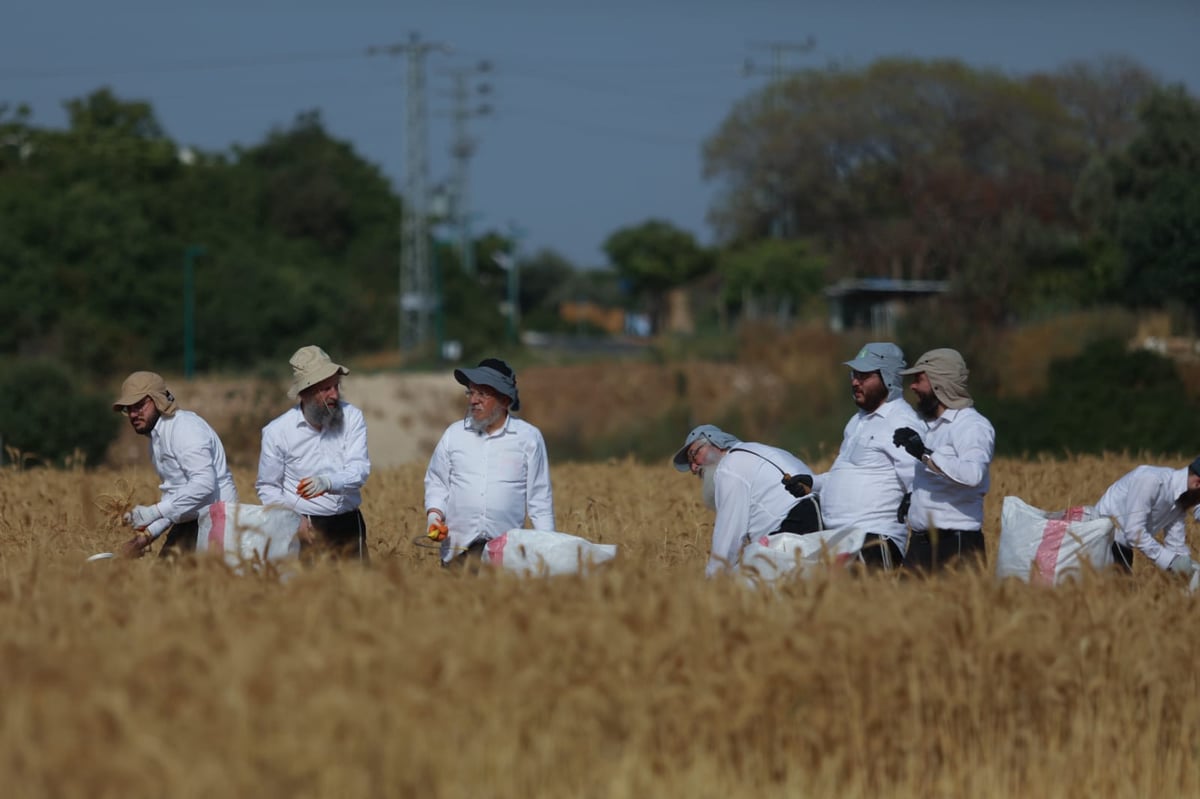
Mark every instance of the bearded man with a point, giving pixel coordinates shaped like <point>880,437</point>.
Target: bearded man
<point>1145,501</point>
<point>869,484</point>
<point>953,470</point>
<point>190,461</point>
<point>489,470</point>
<point>314,459</point>
<point>755,489</point>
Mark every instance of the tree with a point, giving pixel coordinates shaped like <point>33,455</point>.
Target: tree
<point>1156,186</point>
<point>655,257</point>
<point>786,274</point>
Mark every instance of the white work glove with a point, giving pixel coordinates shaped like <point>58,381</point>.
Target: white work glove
<point>313,487</point>
<point>158,527</point>
<point>142,516</point>
<point>1183,564</point>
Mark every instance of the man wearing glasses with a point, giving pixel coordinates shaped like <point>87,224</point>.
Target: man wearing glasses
<point>755,489</point>
<point>870,481</point>
<point>189,459</point>
<point>489,470</point>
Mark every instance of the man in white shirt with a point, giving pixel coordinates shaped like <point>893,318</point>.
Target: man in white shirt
<point>189,459</point>
<point>869,483</point>
<point>1145,501</point>
<point>314,459</point>
<point>952,476</point>
<point>489,470</point>
<point>755,489</point>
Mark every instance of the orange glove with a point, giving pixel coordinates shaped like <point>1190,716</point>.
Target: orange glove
<point>437,526</point>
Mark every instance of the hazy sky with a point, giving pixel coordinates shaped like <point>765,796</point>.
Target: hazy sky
<point>601,107</point>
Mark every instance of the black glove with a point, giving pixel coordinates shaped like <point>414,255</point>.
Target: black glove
<point>911,441</point>
<point>902,511</point>
<point>798,485</point>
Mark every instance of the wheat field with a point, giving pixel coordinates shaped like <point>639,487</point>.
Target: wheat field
<point>142,678</point>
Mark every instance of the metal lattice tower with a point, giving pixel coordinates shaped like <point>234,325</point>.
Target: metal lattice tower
<point>462,149</point>
<point>417,299</point>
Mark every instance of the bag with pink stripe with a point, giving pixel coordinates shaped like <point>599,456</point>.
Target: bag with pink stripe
<point>1046,548</point>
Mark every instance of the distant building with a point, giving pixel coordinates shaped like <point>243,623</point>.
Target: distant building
<point>875,303</point>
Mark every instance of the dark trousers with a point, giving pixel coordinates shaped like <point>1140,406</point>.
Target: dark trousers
<point>804,517</point>
<point>180,540</point>
<point>934,550</point>
<point>880,553</point>
<point>339,537</point>
<point>1122,557</point>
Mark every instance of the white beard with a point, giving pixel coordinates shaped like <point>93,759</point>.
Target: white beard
<point>708,485</point>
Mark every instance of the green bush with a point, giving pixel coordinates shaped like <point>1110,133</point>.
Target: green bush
<point>50,416</point>
<point>1106,399</point>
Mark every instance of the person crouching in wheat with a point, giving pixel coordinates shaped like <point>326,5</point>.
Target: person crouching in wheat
<point>190,461</point>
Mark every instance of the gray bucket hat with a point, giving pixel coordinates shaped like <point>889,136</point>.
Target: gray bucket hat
<point>885,358</point>
<point>496,374</point>
<point>715,435</point>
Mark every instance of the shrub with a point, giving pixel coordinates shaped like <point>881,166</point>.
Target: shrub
<point>50,416</point>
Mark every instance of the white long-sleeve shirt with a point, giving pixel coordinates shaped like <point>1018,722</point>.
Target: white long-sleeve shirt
<point>190,461</point>
<point>871,475</point>
<point>292,449</point>
<point>1143,502</point>
<point>751,500</point>
<point>949,485</point>
<point>485,484</point>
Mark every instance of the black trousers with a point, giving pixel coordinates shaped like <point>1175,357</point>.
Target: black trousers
<point>934,550</point>
<point>339,537</point>
<point>880,553</point>
<point>804,517</point>
<point>180,540</point>
<point>1122,557</point>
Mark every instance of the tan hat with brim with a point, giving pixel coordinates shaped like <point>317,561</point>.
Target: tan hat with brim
<point>311,365</point>
<point>140,385</point>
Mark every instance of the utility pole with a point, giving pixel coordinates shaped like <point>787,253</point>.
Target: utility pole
<point>777,71</point>
<point>417,298</point>
<point>189,309</point>
<point>463,148</point>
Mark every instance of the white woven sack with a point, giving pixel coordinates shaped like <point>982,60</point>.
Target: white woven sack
<point>542,552</point>
<point>773,557</point>
<point>248,533</point>
<point>1046,548</point>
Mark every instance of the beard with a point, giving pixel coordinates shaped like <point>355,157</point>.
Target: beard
<point>1189,499</point>
<point>320,415</point>
<point>874,393</point>
<point>927,404</point>
<point>708,486</point>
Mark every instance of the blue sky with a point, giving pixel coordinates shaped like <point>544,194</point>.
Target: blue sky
<point>600,108</point>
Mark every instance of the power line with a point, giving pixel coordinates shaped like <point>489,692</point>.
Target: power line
<point>201,65</point>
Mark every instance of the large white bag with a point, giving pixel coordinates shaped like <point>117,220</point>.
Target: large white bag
<point>776,556</point>
<point>249,533</point>
<point>541,552</point>
<point>1047,548</point>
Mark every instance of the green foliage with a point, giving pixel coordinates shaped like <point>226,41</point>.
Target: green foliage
<point>300,238</point>
<point>655,257</point>
<point>775,271</point>
<point>49,417</point>
<point>1107,399</point>
<point>1156,183</point>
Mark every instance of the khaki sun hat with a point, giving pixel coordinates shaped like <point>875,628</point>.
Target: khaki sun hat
<point>311,365</point>
<point>140,385</point>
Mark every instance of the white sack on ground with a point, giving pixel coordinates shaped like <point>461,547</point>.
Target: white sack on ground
<point>1047,548</point>
<point>243,533</point>
<point>541,552</point>
<point>771,558</point>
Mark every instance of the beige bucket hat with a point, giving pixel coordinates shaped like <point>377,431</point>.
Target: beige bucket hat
<point>140,385</point>
<point>311,365</point>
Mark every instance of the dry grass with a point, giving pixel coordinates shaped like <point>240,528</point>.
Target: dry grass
<point>151,679</point>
